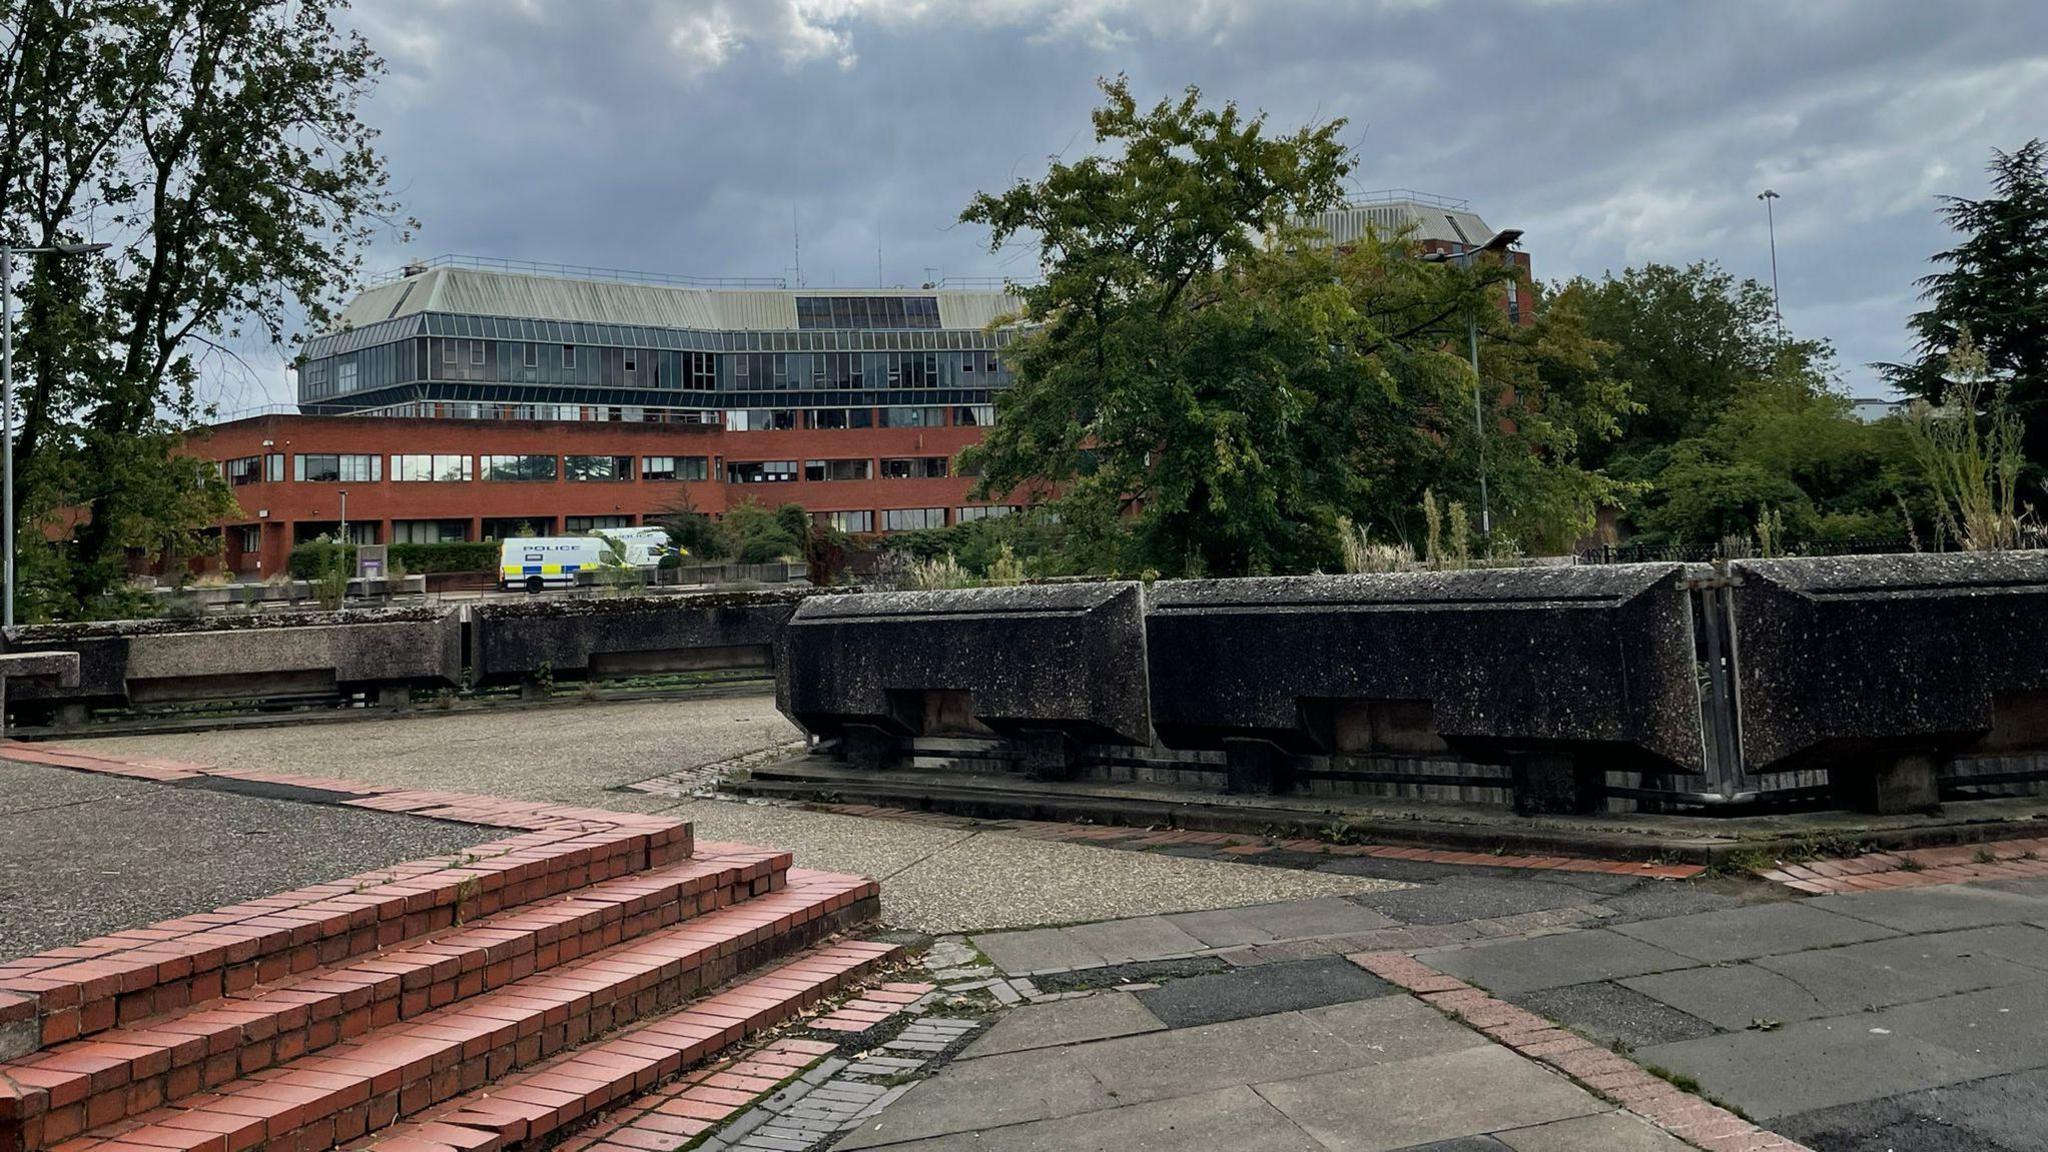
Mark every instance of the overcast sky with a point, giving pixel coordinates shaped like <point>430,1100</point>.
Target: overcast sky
<point>692,135</point>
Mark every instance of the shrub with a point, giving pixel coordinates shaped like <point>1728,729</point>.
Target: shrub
<point>453,556</point>
<point>313,558</point>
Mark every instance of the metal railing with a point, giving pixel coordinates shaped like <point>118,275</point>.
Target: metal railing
<point>1409,195</point>
<point>574,271</point>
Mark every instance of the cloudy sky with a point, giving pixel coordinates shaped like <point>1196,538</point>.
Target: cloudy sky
<point>693,135</point>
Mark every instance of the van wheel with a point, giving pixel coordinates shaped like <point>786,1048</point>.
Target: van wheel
<point>535,584</point>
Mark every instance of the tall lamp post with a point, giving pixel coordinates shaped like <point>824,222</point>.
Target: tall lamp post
<point>7,398</point>
<point>1500,242</point>
<point>1771,220</point>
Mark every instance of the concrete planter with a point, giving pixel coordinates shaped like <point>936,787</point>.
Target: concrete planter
<point>613,637</point>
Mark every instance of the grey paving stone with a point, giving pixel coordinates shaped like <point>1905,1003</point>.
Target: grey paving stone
<point>1222,928</point>
<point>1457,899</point>
<point>1177,1062</point>
<point>1467,1093</point>
<point>1554,961</point>
<point>990,1093</point>
<point>1096,1017</point>
<point>2005,1029</point>
<point>1603,1132</point>
<point>1815,1064</point>
<point>1657,899</point>
<point>1752,930</point>
<point>1609,1012</point>
<point>1394,1028</point>
<point>1227,1118</point>
<point>1112,975</point>
<point>1997,1114</point>
<point>1944,907</point>
<point>1460,1144</point>
<point>1330,916</point>
<point>1036,950</point>
<point>1905,969</point>
<point>1261,991</point>
<point>1731,996</point>
<point>1142,938</point>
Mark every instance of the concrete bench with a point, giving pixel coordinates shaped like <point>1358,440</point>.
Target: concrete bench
<point>1050,667</point>
<point>57,668</point>
<point>1879,668</point>
<point>630,636</point>
<point>1561,672</point>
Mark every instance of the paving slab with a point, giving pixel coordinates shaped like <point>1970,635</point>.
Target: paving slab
<point>2000,1113</point>
<point>1394,1028</point>
<point>1140,938</point>
<point>1554,961</point>
<point>1220,928</point>
<point>1936,909</point>
<point>1037,950</point>
<point>1816,1064</point>
<point>1753,930</point>
<point>1460,1144</point>
<point>1261,990</point>
<point>1603,1132</point>
<point>82,854</point>
<point>1905,969</point>
<point>1611,1012</point>
<point>1655,899</point>
<point>1427,1099</point>
<point>1330,916</point>
<point>1456,899</point>
<point>1158,1065</point>
<point>1234,1118</point>
<point>993,1092</point>
<point>2005,1029</point>
<point>1061,1022</point>
<point>1731,996</point>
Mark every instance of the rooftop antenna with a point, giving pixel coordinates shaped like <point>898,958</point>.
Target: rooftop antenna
<point>797,233</point>
<point>879,282</point>
<point>931,277</point>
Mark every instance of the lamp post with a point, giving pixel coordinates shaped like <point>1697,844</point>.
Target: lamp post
<point>343,531</point>
<point>7,399</point>
<point>1771,220</point>
<point>1499,243</point>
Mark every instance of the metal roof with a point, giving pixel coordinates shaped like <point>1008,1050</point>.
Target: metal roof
<point>1421,217</point>
<point>488,292</point>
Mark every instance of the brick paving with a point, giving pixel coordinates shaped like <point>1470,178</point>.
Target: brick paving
<point>1915,867</point>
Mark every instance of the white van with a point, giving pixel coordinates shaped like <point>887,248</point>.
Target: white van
<point>537,562</point>
<point>645,545</point>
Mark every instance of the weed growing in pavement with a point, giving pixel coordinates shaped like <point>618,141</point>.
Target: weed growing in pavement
<point>1984,856</point>
<point>1908,864</point>
<point>1678,1080</point>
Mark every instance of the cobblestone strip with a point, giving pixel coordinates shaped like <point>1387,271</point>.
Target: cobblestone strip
<point>1915,867</point>
<point>1697,1121</point>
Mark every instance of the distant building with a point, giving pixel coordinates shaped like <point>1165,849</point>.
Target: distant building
<point>1870,409</point>
<point>1436,224</point>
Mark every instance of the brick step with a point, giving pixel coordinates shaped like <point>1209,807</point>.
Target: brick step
<point>125,1071</point>
<point>124,977</point>
<point>529,1106</point>
<point>367,1083</point>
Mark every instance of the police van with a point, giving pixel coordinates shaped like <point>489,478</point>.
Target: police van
<point>538,562</point>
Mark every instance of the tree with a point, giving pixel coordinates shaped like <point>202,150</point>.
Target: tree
<point>1993,285</point>
<point>216,145</point>
<point>1205,389</point>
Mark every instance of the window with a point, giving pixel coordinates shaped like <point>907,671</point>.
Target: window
<point>675,468</point>
<point>242,470</point>
<point>519,467</point>
<point>911,519</point>
<point>974,416</point>
<point>577,525</point>
<point>568,355</point>
<point>628,365</point>
<point>837,469</point>
<point>448,352</point>
<point>345,376</point>
<point>914,468</point>
<point>760,419</point>
<point>1514,302</point>
<point>429,531</point>
<point>598,468</point>
<point>532,356</point>
<point>476,352</point>
<point>434,469</point>
<point>846,521</point>
<point>913,417</point>
<point>857,312</point>
<point>760,472</point>
<point>250,538</point>
<point>984,512</point>
<point>328,468</point>
<point>273,468</point>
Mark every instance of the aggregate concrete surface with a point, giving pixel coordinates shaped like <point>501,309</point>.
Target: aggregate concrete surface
<point>82,855</point>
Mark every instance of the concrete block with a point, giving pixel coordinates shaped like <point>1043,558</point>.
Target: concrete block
<point>630,636</point>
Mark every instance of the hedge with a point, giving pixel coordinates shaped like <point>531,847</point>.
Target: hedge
<point>308,559</point>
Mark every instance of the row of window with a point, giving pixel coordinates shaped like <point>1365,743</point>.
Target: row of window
<point>368,468</point>
<point>250,537</point>
<point>785,471</point>
<point>867,312</point>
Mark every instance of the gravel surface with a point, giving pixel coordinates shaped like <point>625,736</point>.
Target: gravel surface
<point>82,855</point>
<point>933,879</point>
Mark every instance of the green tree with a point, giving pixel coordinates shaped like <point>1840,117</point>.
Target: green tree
<point>1206,389</point>
<point>1993,285</point>
<point>216,145</point>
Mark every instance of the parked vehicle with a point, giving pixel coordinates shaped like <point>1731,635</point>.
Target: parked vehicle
<point>645,546</point>
<point>537,562</point>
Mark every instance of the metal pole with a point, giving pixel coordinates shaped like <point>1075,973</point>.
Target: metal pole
<point>7,386</point>
<point>343,533</point>
<point>1771,219</point>
<point>1479,421</point>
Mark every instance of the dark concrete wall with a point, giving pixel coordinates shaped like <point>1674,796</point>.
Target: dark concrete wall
<point>631,634</point>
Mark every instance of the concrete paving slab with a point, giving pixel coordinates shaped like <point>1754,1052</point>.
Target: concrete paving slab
<point>1158,1065</point>
<point>1429,1098</point>
<point>1234,1118</point>
<point>1460,1144</point>
<point>1456,899</point>
<point>1731,996</point>
<point>2001,1113</point>
<point>1140,938</point>
<point>1097,1017</point>
<point>1604,1132</point>
<point>1221,928</point>
<point>1332,916</point>
<point>1554,961</point>
<point>82,855</point>
<point>1752,930</point>
<point>994,1092</point>
<point>1395,1028</point>
<point>1610,1012</point>
<point>1904,969</point>
<point>1655,899</point>
<point>2005,1029</point>
<point>1261,990</point>
<point>1940,908</point>
<point>1815,1064</point>
<point>1036,950</point>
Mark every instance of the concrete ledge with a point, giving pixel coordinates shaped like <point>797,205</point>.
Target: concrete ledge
<point>1050,665</point>
<point>638,635</point>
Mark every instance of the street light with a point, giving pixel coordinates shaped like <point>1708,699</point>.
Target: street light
<point>1499,243</point>
<point>1771,218</point>
<point>7,397</point>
